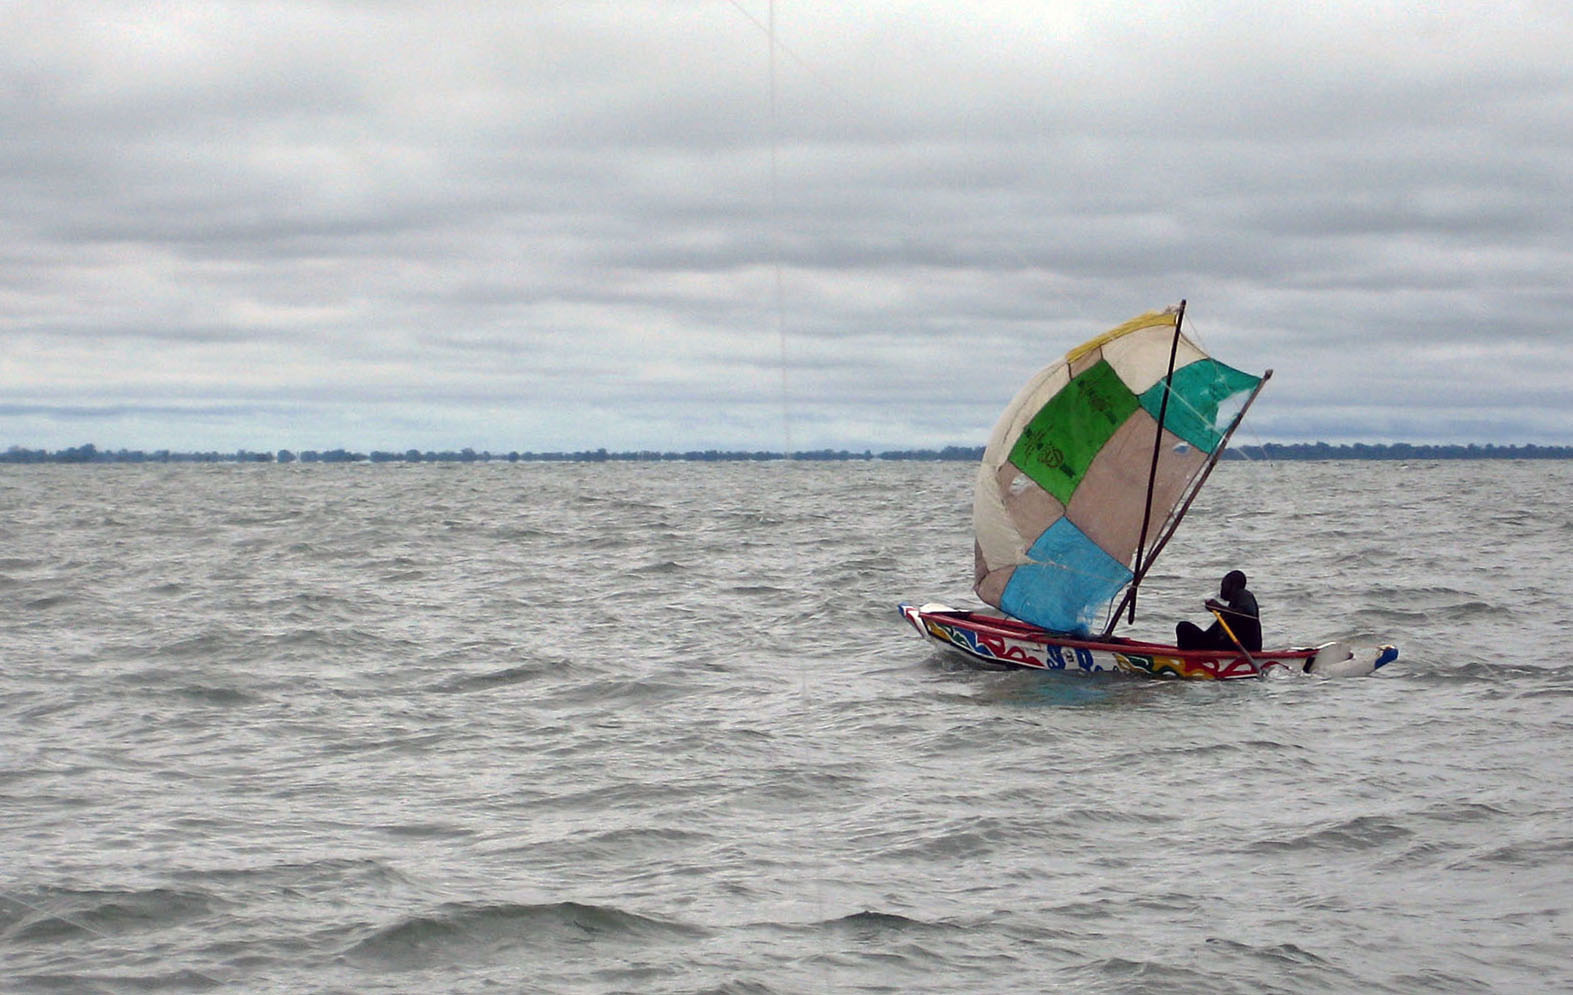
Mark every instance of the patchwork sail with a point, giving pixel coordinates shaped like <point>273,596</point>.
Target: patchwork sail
<point>1091,464</point>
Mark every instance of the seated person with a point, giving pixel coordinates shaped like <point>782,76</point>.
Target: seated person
<point>1238,608</point>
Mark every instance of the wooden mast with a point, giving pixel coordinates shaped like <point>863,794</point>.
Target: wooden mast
<point>1152,470</point>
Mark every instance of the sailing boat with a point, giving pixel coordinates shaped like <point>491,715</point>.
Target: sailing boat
<point>1084,480</point>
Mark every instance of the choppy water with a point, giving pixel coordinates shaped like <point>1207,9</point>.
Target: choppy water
<point>657,728</point>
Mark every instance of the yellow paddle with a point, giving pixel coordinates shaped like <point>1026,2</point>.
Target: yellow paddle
<point>1235,639</point>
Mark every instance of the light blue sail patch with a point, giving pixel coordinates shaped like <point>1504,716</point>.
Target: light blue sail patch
<point>1068,582</point>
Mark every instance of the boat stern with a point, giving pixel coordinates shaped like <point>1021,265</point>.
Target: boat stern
<point>1339,659</point>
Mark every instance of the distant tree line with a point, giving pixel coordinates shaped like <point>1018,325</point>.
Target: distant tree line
<point>971,454</point>
<point>92,454</point>
<point>1395,451</point>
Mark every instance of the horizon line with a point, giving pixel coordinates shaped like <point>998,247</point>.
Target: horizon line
<point>91,453</point>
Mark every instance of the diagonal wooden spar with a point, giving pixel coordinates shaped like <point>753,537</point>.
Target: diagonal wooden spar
<point>1174,523</point>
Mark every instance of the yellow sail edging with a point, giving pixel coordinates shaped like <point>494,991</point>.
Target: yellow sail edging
<point>1151,319</point>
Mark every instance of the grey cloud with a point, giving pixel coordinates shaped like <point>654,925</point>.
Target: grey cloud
<point>569,208</point>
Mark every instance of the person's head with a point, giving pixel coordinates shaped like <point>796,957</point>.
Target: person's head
<point>1233,583</point>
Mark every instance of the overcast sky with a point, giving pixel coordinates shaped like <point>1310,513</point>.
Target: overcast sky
<point>558,225</point>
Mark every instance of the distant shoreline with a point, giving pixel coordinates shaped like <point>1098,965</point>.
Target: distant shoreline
<point>964,454</point>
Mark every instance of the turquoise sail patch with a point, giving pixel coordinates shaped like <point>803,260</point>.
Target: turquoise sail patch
<point>1200,388</point>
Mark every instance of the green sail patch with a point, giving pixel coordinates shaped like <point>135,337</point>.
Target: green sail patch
<point>1061,440</point>
<point>1199,389</point>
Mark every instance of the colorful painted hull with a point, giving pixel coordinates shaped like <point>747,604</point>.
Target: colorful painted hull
<point>1009,642</point>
